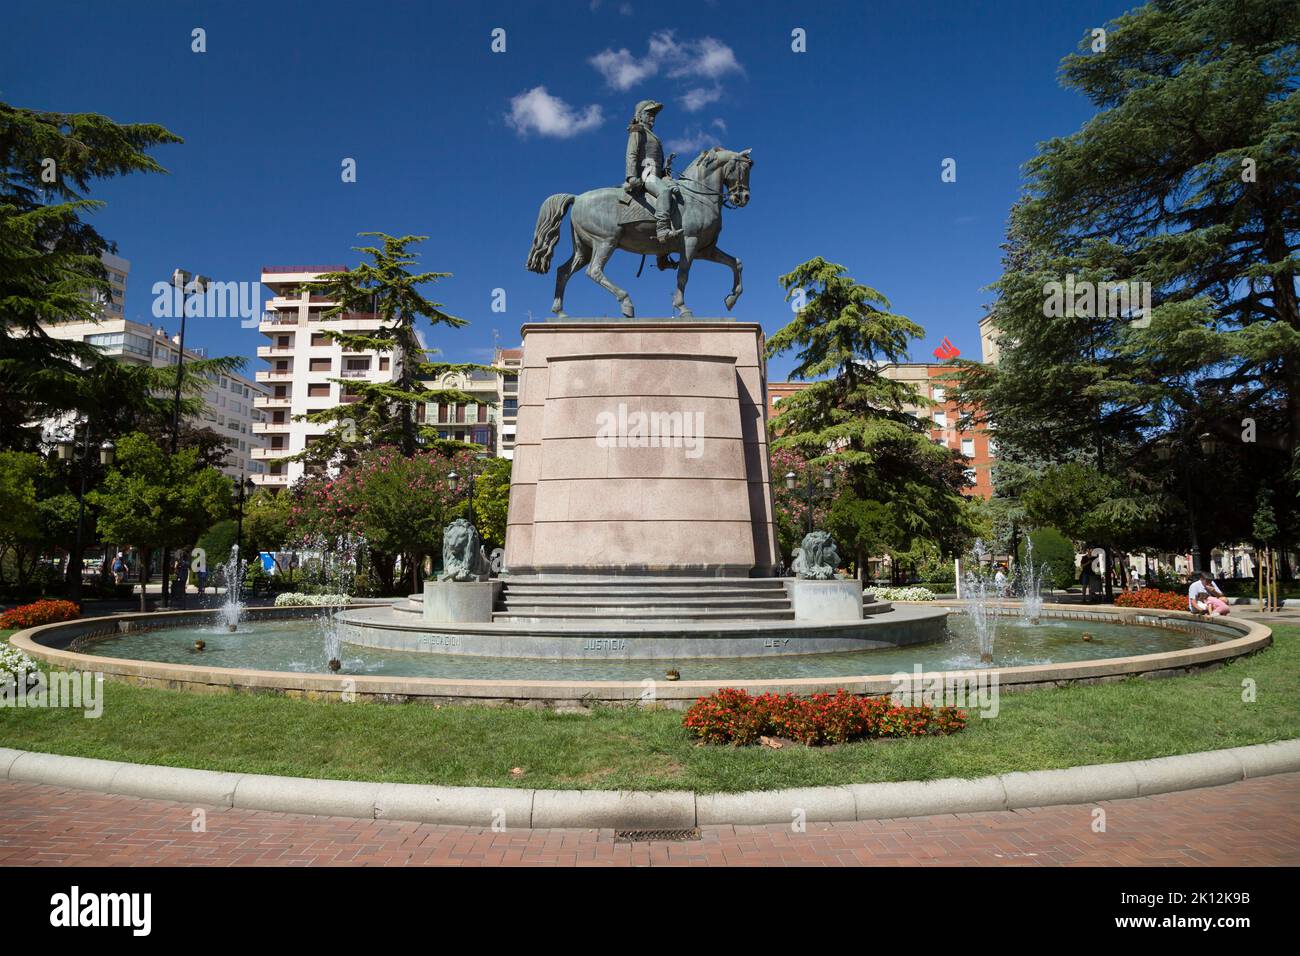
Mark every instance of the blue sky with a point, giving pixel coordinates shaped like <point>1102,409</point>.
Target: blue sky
<point>456,142</point>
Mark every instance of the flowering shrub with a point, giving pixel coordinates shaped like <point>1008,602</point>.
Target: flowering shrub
<point>14,662</point>
<point>1151,598</point>
<point>902,594</point>
<point>41,612</point>
<point>733,716</point>
<point>298,599</point>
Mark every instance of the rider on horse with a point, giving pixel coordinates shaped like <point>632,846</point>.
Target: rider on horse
<point>647,171</point>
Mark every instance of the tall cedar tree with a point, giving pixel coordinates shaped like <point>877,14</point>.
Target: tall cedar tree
<point>1188,178</point>
<point>853,416</point>
<point>50,268</point>
<point>384,412</point>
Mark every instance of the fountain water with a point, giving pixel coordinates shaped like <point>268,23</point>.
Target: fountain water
<point>330,638</point>
<point>232,609</point>
<point>1031,587</point>
<point>978,589</point>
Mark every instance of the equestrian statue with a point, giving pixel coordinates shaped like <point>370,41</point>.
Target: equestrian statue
<point>650,214</point>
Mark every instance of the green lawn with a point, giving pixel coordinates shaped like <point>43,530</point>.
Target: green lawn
<point>617,748</point>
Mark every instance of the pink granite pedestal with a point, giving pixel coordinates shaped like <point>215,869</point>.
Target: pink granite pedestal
<point>641,449</point>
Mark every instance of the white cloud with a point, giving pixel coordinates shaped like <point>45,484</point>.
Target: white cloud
<point>690,143</point>
<point>705,58</point>
<point>539,112</point>
<point>621,69</point>
<point>720,123</point>
<point>699,97</point>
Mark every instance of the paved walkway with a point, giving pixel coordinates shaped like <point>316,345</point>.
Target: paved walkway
<point>1251,823</point>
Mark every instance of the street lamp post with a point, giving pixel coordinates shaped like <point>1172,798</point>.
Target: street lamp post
<point>454,479</point>
<point>245,485</point>
<point>185,282</point>
<point>66,450</point>
<point>811,492</point>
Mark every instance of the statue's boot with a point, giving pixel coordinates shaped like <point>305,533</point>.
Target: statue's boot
<point>665,262</point>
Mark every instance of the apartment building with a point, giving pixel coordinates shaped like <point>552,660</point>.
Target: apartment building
<point>509,364</point>
<point>975,443</point>
<point>304,362</point>
<point>229,399</point>
<point>476,421</point>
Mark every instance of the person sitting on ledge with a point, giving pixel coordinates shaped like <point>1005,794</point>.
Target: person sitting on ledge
<point>1204,596</point>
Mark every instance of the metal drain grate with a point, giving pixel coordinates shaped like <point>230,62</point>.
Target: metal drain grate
<point>656,836</point>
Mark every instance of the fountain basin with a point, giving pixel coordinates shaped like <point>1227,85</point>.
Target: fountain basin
<point>569,683</point>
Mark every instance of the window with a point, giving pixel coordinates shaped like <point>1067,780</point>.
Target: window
<point>282,391</point>
<point>510,406</point>
<point>383,363</point>
<point>318,390</point>
<point>968,447</point>
<point>940,420</point>
<point>321,365</point>
<point>970,474</point>
<point>319,338</point>
<point>936,394</point>
<point>482,414</point>
<point>282,342</point>
<point>442,415</point>
<point>993,447</point>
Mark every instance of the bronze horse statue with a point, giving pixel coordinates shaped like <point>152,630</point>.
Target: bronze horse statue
<point>716,177</point>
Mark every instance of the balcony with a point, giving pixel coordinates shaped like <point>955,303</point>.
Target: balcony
<point>275,481</point>
<point>266,428</point>
<point>275,376</point>
<point>266,454</point>
<point>270,401</point>
<point>355,373</point>
<point>275,351</point>
<point>302,270</point>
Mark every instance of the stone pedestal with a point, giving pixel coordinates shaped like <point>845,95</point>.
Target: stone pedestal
<point>641,448</point>
<point>825,600</point>
<point>460,602</point>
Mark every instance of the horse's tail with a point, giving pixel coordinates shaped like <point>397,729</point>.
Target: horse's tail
<point>547,233</point>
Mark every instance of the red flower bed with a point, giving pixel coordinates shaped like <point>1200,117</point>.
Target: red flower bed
<point>734,717</point>
<point>1151,598</point>
<point>41,612</point>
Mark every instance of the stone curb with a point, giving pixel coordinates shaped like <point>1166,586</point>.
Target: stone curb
<point>508,808</point>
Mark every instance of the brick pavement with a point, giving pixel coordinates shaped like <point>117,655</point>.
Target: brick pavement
<point>1251,823</point>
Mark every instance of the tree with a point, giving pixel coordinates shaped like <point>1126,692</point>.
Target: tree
<point>268,525</point>
<point>492,500</point>
<point>1187,183</point>
<point>1053,555</point>
<point>153,499</point>
<point>853,416</point>
<point>50,268</point>
<point>384,413</point>
<point>397,505</point>
<point>21,528</point>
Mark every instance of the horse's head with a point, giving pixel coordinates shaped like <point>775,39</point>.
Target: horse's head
<point>727,169</point>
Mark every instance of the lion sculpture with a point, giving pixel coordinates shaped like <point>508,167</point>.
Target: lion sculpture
<point>816,558</point>
<point>463,558</point>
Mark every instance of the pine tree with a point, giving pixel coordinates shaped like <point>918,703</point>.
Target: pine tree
<point>850,414</point>
<point>384,412</point>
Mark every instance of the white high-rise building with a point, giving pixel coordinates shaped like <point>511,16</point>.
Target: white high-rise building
<point>303,360</point>
<point>229,399</point>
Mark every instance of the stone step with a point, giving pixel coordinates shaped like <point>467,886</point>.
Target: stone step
<point>634,614</point>
<point>635,581</point>
<point>644,600</point>
<point>739,594</point>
